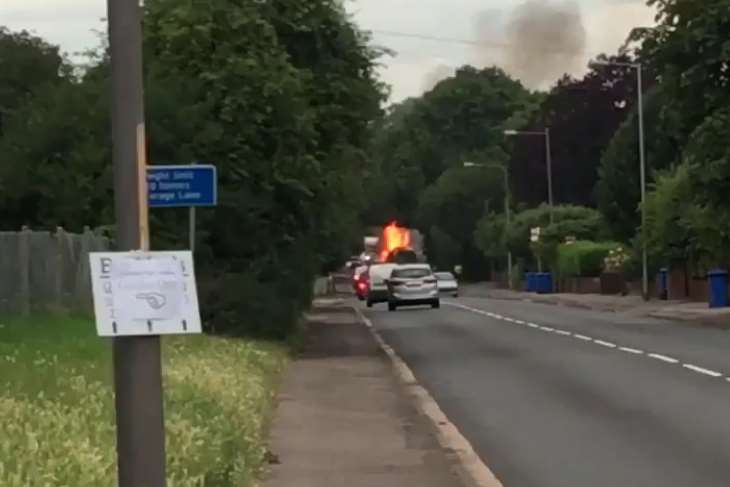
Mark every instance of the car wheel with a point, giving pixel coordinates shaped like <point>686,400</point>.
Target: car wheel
<point>456,295</point>
<point>436,304</point>
<point>369,303</point>
<point>392,307</point>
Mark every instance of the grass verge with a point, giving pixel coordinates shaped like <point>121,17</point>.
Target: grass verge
<point>57,406</point>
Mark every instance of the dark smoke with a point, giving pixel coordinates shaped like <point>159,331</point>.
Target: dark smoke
<point>545,39</point>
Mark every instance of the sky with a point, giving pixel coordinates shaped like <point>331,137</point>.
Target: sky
<point>534,40</point>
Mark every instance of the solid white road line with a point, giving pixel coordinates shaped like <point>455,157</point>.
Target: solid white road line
<point>702,370</point>
<point>664,358</point>
<point>583,337</point>
<point>631,350</point>
<point>604,344</point>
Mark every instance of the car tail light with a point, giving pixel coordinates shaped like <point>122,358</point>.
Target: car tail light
<point>429,281</point>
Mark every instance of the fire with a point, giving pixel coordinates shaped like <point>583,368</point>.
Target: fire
<point>394,237</point>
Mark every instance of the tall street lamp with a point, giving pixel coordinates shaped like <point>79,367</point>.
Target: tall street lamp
<point>507,214</point>
<point>642,166</point>
<point>548,159</point>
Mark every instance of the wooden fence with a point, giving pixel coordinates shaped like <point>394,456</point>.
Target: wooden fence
<point>47,272</point>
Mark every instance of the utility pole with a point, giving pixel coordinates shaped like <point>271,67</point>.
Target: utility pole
<point>137,364</point>
<point>642,164</point>
<point>549,162</point>
<point>507,211</point>
<point>508,218</point>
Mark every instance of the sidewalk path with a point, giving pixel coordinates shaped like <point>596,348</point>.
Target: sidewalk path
<point>692,312</point>
<point>344,420</point>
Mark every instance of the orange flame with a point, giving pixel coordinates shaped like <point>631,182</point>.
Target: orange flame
<point>394,237</point>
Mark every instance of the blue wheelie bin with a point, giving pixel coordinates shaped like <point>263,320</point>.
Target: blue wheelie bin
<point>717,281</point>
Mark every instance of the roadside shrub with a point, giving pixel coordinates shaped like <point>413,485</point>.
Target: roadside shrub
<point>584,258</point>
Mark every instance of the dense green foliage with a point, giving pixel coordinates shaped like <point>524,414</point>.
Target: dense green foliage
<point>583,258</point>
<point>280,96</point>
<point>284,99</point>
<point>583,115</point>
<point>568,221</point>
<point>419,151</point>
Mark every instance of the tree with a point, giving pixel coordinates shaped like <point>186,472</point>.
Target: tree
<point>461,118</point>
<point>287,95</point>
<point>453,205</point>
<point>619,189</point>
<point>568,221</point>
<point>281,97</point>
<point>669,234</point>
<point>54,159</point>
<point>27,63</point>
<point>583,115</point>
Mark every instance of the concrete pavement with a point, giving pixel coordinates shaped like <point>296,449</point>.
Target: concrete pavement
<point>554,396</point>
<point>344,419</point>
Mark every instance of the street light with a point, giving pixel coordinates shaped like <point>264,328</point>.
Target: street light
<point>506,208</point>
<point>548,158</point>
<point>642,165</point>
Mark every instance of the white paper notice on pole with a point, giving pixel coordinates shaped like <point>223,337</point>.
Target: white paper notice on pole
<point>144,293</point>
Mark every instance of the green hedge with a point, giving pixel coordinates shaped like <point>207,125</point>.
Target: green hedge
<point>583,258</point>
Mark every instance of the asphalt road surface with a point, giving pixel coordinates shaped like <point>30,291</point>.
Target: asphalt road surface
<point>559,397</point>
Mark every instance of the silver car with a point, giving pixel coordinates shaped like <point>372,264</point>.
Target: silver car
<point>447,283</point>
<point>412,285</point>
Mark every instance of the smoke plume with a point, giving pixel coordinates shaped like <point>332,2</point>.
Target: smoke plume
<point>545,39</point>
<point>437,74</point>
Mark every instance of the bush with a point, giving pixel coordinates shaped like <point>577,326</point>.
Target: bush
<point>583,258</point>
<point>569,221</point>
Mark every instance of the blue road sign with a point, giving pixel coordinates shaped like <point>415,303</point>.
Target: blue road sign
<point>182,186</point>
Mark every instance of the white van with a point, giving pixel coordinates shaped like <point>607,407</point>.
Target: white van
<point>378,276</point>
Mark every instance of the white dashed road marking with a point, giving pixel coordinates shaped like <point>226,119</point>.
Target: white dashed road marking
<point>635,351</point>
<point>664,358</point>
<point>702,370</point>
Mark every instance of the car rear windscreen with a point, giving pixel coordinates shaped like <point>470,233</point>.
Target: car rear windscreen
<point>411,273</point>
<point>445,276</point>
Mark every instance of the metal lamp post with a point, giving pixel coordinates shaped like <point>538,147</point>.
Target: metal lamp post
<point>548,159</point>
<point>507,212</point>
<point>642,167</point>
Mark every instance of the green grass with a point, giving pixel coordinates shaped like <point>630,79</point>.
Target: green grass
<point>57,415</point>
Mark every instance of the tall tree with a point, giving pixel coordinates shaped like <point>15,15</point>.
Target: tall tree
<point>27,63</point>
<point>582,116</point>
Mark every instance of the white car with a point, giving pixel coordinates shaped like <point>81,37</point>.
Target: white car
<point>412,285</point>
<point>447,283</point>
<point>378,275</point>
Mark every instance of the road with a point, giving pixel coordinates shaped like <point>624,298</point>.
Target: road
<point>559,397</point>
